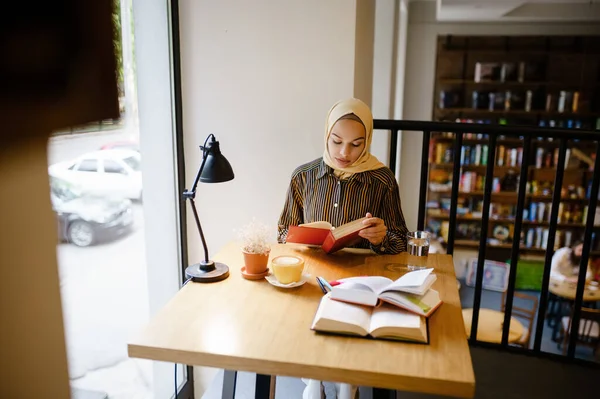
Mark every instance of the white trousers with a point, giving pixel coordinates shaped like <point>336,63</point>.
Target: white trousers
<point>313,390</point>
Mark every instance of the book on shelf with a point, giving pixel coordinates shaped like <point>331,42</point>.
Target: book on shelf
<point>323,234</point>
<point>509,72</point>
<point>383,322</point>
<point>487,71</point>
<point>410,292</point>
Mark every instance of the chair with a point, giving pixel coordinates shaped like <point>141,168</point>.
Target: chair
<point>526,314</point>
<point>589,329</point>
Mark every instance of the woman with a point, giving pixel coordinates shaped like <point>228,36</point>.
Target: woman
<point>565,264</point>
<point>348,183</point>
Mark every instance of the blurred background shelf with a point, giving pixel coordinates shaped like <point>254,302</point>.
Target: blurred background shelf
<point>542,81</point>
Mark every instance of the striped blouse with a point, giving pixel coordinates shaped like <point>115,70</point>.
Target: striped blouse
<point>316,194</point>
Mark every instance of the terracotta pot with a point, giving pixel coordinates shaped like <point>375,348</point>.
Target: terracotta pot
<point>256,263</point>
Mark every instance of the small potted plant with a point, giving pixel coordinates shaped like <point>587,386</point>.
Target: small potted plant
<point>256,238</point>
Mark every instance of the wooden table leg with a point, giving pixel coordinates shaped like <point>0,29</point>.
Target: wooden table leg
<point>263,386</point>
<point>273,387</point>
<point>229,380</point>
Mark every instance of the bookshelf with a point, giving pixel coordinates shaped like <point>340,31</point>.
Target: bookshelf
<point>548,81</point>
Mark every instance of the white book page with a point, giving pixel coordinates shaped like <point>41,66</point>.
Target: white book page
<point>318,225</point>
<point>388,316</point>
<point>344,313</point>
<point>411,279</point>
<point>419,290</point>
<point>372,283</point>
<point>358,294</point>
<point>421,304</point>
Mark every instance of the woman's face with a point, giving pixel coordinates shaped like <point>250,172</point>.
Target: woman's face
<point>346,142</point>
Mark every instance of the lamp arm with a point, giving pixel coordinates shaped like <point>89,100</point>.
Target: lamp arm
<point>190,194</point>
<point>200,230</point>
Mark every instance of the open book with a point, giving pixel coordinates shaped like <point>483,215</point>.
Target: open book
<point>412,291</point>
<point>322,233</point>
<point>384,322</point>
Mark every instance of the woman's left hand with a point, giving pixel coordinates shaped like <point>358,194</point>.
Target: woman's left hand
<point>376,231</point>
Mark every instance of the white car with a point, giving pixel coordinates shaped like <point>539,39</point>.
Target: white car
<point>108,173</point>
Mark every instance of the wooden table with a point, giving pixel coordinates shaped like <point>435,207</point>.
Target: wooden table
<point>565,292</point>
<point>237,324</point>
<point>489,326</point>
<point>568,290</point>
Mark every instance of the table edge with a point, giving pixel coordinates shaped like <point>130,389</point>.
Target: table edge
<point>462,389</point>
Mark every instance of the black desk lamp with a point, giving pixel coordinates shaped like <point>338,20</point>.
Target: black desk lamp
<point>214,169</point>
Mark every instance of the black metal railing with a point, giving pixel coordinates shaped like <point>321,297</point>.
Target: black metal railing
<point>493,133</point>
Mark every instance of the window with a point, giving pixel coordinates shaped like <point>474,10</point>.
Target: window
<point>126,262</point>
<point>133,163</point>
<point>113,167</point>
<point>62,189</point>
<point>88,165</point>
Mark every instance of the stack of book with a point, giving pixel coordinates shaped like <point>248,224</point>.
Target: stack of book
<point>378,307</point>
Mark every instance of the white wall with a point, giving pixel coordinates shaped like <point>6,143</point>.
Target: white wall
<point>420,71</point>
<point>261,76</point>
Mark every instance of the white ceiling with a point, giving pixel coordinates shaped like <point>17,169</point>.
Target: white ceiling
<point>518,10</point>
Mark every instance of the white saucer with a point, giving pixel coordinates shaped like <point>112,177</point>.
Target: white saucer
<point>273,281</point>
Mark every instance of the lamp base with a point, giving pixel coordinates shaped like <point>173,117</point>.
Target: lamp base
<point>207,273</point>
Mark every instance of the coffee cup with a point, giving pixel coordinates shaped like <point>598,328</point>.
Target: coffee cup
<point>287,268</point>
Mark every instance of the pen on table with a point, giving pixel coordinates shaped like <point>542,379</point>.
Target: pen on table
<point>326,284</point>
<point>321,285</point>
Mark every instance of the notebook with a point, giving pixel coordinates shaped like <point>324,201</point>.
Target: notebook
<point>411,292</point>
<point>383,322</point>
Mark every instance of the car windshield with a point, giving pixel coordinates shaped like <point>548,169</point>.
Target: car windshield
<point>133,162</point>
<point>63,190</point>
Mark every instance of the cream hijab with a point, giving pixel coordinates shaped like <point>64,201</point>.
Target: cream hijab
<point>365,161</point>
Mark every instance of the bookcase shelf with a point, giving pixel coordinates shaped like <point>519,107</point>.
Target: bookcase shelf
<point>551,81</point>
<point>510,221</point>
<point>513,52</point>
<point>532,83</point>
<point>511,195</point>
<point>506,168</point>
<point>532,113</point>
<point>533,250</point>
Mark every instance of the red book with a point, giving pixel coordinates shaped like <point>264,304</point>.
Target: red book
<point>325,235</point>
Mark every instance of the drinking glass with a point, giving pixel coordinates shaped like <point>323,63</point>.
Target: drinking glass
<point>418,249</point>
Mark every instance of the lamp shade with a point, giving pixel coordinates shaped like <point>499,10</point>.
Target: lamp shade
<point>217,168</point>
